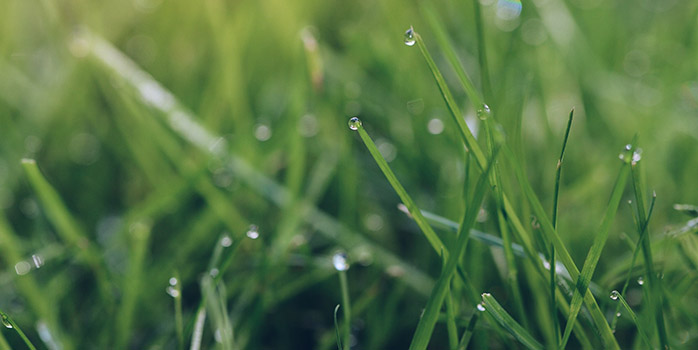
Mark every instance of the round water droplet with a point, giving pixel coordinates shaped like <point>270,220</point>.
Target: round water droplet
<point>22,268</point>
<point>253,232</point>
<point>617,314</point>
<point>621,156</point>
<point>481,307</point>
<point>172,291</point>
<point>637,155</point>
<point>628,147</point>
<point>484,112</point>
<point>339,260</point>
<point>226,241</point>
<point>6,322</point>
<point>173,281</point>
<point>640,280</point>
<point>354,123</point>
<point>214,272</point>
<point>409,37</point>
<point>615,295</point>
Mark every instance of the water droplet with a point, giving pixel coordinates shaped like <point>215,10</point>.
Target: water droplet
<point>354,123</point>
<point>409,37</point>
<point>6,322</point>
<point>617,314</point>
<point>253,232</point>
<point>615,295</point>
<point>481,307</point>
<point>637,155</point>
<point>214,272</point>
<point>173,281</point>
<point>22,268</point>
<point>172,291</point>
<point>339,260</point>
<point>484,112</point>
<point>621,156</point>
<point>628,147</point>
<point>640,280</point>
<point>435,126</point>
<point>546,264</point>
<point>37,260</point>
<point>226,241</point>
<point>262,132</point>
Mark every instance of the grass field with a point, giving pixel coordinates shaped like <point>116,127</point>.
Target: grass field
<point>186,175</point>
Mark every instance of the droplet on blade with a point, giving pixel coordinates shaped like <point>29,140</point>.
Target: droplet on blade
<point>409,37</point>
<point>481,307</point>
<point>615,295</point>
<point>484,112</point>
<point>339,260</point>
<point>226,241</point>
<point>173,281</point>
<point>640,280</point>
<point>6,322</point>
<point>354,123</point>
<point>172,291</point>
<point>253,232</point>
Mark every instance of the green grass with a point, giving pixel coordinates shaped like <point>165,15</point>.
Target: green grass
<point>140,142</point>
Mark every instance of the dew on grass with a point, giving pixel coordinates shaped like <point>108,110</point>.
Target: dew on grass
<point>409,37</point>
<point>226,241</point>
<point>6,322</point>
<point>22,268</point>
<point>262,132</point>
<point>481,307</point>
<point>214,272</point>
<point>435,126</point>
<point>354,123</point>
<point>38,261</point>
<point>637,155</point>
<point>172,291</point>
<point>339,260</point>
<point>615,295</point>
<point>253,232</point>
<point>173,281</point>
<point>484,112</point>
<point>618,314</point>
<point>628,147</point>
<point>640,280</point>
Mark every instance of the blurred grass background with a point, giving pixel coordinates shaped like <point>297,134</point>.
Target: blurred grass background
<point>277,81</point>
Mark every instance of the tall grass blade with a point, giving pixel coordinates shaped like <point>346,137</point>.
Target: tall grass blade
<point>493,308</point>
<point>336,328</point>
<point>594,254</point>
<point>655,291</point>
<point>422,335</point>
<point>344,286</point>
<point>643,333</point>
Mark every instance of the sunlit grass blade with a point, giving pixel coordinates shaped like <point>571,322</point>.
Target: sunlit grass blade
<point>429,233</point>
<point>216,296</point>
<point>493,308</point>
<point>422,335</point>
<point>336,328</point>
<point>66,225</point>
<point>198,331</point>
<point>7,322</point>
<point>482,52</point>
<point>643,333</point>
<point>655,291</point>
<point>594,254</point>
<point>340,263</point>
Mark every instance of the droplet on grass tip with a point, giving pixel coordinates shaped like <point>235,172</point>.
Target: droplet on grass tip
<point>617,314</point>
<point>6,322</point>
<point>38,261</point>
<point>253,232</point>
<point>628,147</point>
<point>637,155</point>
<point>640,280</point>
<point>226,241</point>
<point>339,260</point>
<point>354,123</point>
<point>615,295</point>
<point>484,112</point>
<point>172,291</point>
<point>409,37</point>
<point>481,307</point>
<point>173,281</point>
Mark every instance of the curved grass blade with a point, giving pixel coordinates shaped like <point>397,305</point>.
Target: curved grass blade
<point>493,308</point>
<point>336,328</point>
<point>594,254</point>
<point>422,335</point>
<point>643,333</point>
<point>429,233</point>
<point>9,323</point>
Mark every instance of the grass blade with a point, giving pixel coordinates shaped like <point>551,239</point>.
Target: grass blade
<point>643,333</point>
<point>336,328</point>
<point>434,240</point>
<point>9,323</point>
<point>493,308</point>
<point>422,335</point>
<point>654,288</point>
<point>595,252</point>
<point>344,286</point>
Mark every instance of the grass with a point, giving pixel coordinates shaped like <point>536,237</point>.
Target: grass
<point>141,142</point>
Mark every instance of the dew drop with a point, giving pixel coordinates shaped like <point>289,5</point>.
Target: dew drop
<point>640,280</point>
<point>172,291</point>
<point>226,241</point>
<point>22,268</point>
<point>37,260</point>
<point>354,123</point>
<point>621,156</point>
<point>628,147</point>
<point>617,314</point>
<point>252,232</point>
<point>6,322</point>
<point>173,281</point>
<point>637,155</point>
<point>484,112</point>
<point>481,307</point>
<point>615,295</point>
<point>409,37</point>
<point>214,272</point>
<point>339,260</point>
